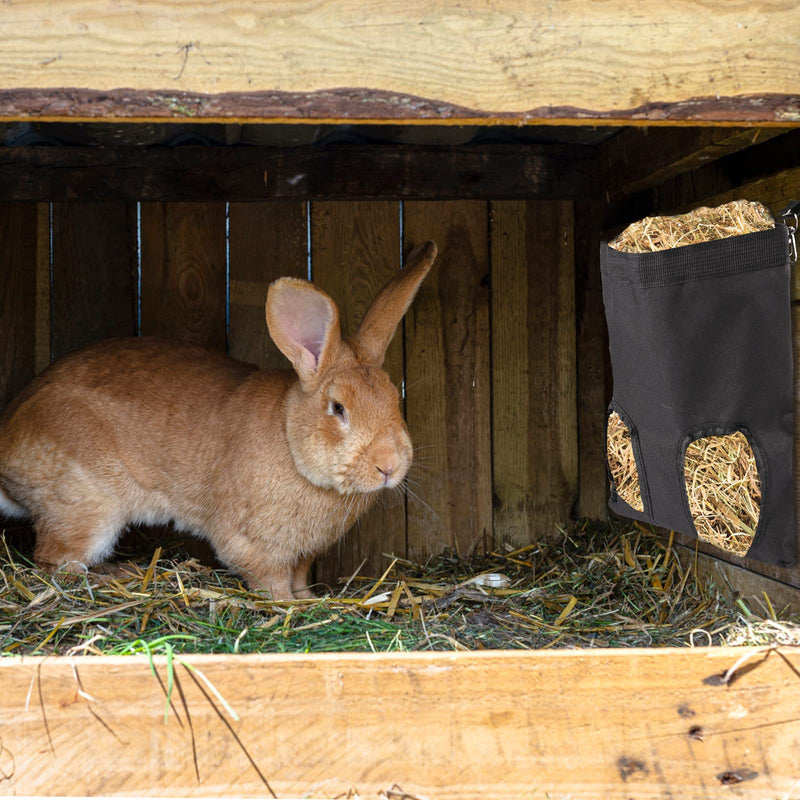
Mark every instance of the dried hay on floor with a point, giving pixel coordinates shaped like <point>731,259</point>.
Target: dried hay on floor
<point>724,491</point>
<point>592,585</point>
<point>701,225</point>
<point>721,476</point>
<point>621,462</point>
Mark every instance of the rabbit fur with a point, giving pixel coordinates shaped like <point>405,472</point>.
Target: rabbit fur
<point>270,466</point>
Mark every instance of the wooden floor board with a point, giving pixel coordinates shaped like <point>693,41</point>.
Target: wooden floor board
<point>660,723</point>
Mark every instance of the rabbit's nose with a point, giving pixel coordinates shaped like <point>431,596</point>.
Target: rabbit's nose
<point>387,470</point>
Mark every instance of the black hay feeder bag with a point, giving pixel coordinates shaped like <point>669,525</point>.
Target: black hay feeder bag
<point>701,346</point>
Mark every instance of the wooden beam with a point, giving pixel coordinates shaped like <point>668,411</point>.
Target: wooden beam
<point>639,158</point>
<point>725,179</point>
<point>258,173</point>
<point>400,60</point>
<point>598,723</point>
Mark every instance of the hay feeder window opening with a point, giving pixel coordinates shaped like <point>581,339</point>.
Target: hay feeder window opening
<point>723,490</point>
<point>622,466</point>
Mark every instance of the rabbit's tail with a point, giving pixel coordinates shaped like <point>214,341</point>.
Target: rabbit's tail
<point>9,508</point>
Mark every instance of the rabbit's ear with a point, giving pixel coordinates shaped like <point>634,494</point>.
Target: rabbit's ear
<point>387,309</point>
<point>304,323</point>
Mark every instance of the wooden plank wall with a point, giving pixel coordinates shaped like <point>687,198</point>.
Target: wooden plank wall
<point>534,366</point>
<point>18,275</point>
<point>267,240</point>
<point>94,287</point>
<point>487,352</point>
<point>67,278</point>
<point>447,370</point>
<point>184,266</point>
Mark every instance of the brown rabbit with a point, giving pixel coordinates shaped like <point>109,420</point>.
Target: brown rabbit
<point>271,467</point>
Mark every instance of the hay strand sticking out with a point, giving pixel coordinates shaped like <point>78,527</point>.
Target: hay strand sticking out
<point>724,491</point>
<point>621,462</point>
<point>701,225</point>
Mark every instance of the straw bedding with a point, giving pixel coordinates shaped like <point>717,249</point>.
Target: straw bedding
<point>591,585</point>
<point>720,472</point>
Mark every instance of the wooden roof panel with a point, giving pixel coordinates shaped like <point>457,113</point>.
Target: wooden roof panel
<point>515,60</point>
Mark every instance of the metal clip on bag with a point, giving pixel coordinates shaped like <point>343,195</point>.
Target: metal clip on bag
<point>701,346</point>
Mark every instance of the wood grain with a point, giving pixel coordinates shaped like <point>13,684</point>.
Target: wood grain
<point>355,250</point>
<point>183,272</point>
<point>534,393</point>
<point>18,223</point>
<point>94,265</point>
<point>267,240</point>
<point>448,393</point>
<point>591,724</point>
<point>416,57</point>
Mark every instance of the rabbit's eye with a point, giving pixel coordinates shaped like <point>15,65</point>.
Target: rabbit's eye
<point>336,408</point>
